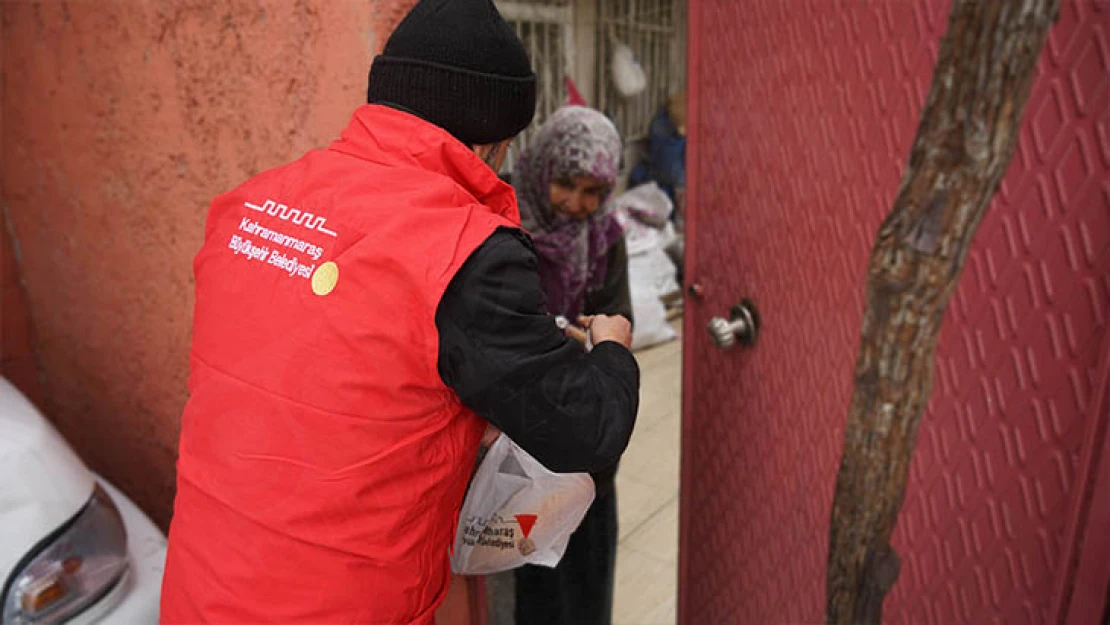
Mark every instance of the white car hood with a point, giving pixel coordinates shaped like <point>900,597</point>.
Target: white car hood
<point>42,481</point>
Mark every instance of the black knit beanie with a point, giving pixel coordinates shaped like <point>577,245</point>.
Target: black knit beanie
<point>459,65</point>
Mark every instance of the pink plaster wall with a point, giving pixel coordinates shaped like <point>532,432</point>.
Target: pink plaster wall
<point>18,363</point>
<point>120,121</point>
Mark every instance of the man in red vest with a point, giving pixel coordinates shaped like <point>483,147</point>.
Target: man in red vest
<point>362,314</point>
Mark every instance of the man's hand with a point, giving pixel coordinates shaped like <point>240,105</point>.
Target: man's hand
<point>490,436</point>
<point>605,328</point>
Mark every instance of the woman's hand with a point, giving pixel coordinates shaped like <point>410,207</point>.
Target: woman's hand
<point>577,334</point>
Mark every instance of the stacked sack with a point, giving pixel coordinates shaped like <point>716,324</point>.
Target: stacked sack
<point>644,213</point>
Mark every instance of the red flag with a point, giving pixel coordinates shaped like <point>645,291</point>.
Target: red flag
<point>574,96</point>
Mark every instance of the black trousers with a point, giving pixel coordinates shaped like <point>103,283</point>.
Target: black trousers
<point>580,590</point>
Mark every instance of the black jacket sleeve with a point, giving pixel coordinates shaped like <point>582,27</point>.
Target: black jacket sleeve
<point>501,352</point>
<point>614,297</point>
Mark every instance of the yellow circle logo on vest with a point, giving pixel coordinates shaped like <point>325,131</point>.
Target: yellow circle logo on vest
<point>324,278</point>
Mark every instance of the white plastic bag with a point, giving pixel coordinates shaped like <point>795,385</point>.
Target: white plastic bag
<point>651,275</point>
<point>638,236</point>
<point>643,213</point>
<point>651,319</point>
<point>648,203</point>
<point>653,271</point>
<point>517,512</point>
<point>628,76</point>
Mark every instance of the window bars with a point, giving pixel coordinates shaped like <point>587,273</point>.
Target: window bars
<point>560,33</point>
<point>655,30</point>
<point>547,29</point>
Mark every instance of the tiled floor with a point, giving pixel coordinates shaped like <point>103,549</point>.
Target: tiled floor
<point>647,495</point>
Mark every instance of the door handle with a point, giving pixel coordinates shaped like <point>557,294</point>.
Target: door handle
<point>742,327</point>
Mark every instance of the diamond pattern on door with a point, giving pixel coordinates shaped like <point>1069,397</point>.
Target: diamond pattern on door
<point>804,113</point>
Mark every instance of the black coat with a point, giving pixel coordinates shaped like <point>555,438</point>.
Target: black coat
<point>502,353</point>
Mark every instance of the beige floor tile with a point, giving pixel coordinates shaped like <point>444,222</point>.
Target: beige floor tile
<point>660,351</point>
<point>667,356</point>
<point>661,385</point>
<point>644,586</point>
<point>636,503</point>
<point>658,404</point>
<point>653,458</point>
<point>663,355</point>
<point>658,536</point>
<point>647,492</point>
<point>665,614</point>
<point>673,424</point>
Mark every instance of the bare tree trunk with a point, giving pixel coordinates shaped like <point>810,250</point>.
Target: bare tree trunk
<point>968,132</point>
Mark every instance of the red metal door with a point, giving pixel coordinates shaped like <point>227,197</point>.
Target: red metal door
<point>801,117</point>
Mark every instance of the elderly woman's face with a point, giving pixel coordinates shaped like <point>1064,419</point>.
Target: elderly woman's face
<point>577,197</point>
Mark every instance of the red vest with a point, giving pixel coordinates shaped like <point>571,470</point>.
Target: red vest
<point>323,461</point>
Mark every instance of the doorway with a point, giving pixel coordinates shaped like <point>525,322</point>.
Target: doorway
<point>574,46</point>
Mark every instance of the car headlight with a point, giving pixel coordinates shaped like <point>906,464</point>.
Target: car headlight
<point>71,569</point>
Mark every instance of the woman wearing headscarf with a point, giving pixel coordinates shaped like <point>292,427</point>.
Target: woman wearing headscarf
<point>563,180</point>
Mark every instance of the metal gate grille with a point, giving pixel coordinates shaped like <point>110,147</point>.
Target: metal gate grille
<point>546,28</point>
<point>561,36</point>
<point>655,30</point>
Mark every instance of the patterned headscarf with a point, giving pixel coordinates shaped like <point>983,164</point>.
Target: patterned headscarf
<point>573,253</point>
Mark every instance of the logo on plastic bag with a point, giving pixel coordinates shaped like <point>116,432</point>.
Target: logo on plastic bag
<point>499,524</point>
<point>497,532</point>
<point>527,522</point>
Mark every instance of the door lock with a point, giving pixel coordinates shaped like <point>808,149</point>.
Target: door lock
<point>742,327</point>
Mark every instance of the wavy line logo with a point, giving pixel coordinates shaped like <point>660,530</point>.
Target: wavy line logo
<point>297,216</point>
